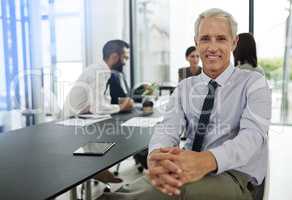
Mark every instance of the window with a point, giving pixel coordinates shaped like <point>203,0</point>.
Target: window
<point>151,40</point>
<point>61,47</point>
<point>14,53</point>
<point>272,43</point>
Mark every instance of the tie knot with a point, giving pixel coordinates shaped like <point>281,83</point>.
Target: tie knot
<point>213,84</point>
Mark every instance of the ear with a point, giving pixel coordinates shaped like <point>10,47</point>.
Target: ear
<point>114,57</point>
<point>235,40</point>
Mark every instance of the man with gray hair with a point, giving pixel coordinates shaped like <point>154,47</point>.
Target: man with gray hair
<point>228,111</point>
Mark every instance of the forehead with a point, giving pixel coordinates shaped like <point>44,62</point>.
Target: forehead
<point>214,26</point>
<point>194,52</point>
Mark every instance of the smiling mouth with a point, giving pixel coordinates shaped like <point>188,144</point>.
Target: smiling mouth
<point>213,57</point>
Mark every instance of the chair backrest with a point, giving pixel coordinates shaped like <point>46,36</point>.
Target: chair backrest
<point>267,181</point>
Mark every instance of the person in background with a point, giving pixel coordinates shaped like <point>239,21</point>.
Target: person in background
<point>117,84</point>
<point>192,56</point>
<point>245,53</point>
<point>90,93</point>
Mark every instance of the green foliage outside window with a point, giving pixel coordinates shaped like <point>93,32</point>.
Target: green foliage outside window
<point>273,68</point>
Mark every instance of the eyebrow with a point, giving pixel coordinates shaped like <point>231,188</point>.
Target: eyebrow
<point>208,36</point>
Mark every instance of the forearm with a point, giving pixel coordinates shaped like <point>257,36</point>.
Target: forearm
<point>237,152</point>
<point>253,129</point>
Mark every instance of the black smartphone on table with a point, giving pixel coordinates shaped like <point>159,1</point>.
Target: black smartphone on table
<point>94,149</point>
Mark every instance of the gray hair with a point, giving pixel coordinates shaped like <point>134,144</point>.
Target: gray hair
<point>216,12</point>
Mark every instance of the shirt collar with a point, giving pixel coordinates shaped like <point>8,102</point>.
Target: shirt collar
<point>222,78</point>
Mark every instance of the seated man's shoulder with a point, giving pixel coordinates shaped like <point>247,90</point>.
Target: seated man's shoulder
<point>250,78</point>
<point>94,69</point>
<point>248,74</point>
<point>91,72</point>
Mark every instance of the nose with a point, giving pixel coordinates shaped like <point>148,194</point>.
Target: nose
<point>212,47</point>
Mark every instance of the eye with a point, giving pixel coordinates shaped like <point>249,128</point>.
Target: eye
<point>205,38</point>
<point>221,38</point>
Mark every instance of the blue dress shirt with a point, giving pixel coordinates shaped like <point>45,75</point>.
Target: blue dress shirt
<point>239,121</point>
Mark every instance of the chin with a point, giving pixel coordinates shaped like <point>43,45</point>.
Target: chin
<point>213,68</point>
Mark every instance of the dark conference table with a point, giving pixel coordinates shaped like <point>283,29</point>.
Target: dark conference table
<point>37,162</point>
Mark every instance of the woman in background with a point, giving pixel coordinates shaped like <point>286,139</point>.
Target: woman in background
<point>245,53</point>
<point>192,56</point>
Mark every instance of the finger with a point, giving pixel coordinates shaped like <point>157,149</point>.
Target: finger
<point>170,180</point>
<point>171,191</point>
<point>157,181</point>
<point>183,178</point>
<point>147,174</point>
<point>166,189</point>
<point>173,150</point>
<point>165,149</point>
<point>163,156</point>
<point>162,189</point>
<point>151,163</point>
<point>170,166</point>
<point>154,171</point>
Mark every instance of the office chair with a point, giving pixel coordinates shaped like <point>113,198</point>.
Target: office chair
<point>263,193</point>
<point>139,162</point>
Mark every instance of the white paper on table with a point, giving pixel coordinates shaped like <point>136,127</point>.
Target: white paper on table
<point>143,121</point>
<point>94,116</point>
<point>81,122</point>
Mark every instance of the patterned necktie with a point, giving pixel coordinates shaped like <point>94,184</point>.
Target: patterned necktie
<point>205,116</point>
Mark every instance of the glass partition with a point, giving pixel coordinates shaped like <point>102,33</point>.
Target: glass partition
<point>273,37</point>
<point>151,40</point>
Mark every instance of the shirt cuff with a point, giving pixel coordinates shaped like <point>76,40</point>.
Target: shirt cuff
<point>116,108</point>
<point>221,159</point>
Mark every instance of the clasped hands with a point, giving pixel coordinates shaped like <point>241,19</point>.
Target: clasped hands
<point>170,168</point>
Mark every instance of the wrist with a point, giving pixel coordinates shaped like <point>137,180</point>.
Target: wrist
<point>211,164</point>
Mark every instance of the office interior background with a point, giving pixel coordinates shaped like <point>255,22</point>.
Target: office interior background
<point>46,44</point>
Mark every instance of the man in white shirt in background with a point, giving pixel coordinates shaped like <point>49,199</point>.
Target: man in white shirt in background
<point>90,93</point>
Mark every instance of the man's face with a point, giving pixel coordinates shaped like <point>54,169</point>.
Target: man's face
<point>121,60</point>
<point>124,57</point>
<point>215,44</point>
